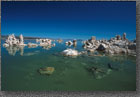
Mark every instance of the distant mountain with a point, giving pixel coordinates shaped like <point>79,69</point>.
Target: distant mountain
<point>26,37</point>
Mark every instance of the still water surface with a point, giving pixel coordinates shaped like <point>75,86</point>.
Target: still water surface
<point>70,74</point>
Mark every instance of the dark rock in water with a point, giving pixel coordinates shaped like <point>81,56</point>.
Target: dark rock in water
<point>95,69</point>
<point>101,47</point>
<point>97,72</point>
<point>111,67</point>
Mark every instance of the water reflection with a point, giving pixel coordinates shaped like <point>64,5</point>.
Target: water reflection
<point>47,47</point>
<point>30,53</point>
<point>12,50</point>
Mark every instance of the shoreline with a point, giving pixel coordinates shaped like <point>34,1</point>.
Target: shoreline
<point>4,37</point>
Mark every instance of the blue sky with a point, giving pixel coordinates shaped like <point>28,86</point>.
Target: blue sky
<point>78,20</point>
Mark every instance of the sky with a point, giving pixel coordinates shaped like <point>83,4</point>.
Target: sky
<point>72,20</point>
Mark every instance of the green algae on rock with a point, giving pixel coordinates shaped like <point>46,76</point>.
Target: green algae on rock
<point>46,70</point>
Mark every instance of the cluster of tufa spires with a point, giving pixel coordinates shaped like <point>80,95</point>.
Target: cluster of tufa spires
<point>13,41</point>
<point>116,45</point>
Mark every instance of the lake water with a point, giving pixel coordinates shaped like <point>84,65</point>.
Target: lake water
<point>20,70</point>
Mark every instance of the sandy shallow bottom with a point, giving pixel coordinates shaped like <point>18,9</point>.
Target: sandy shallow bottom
<point>70,74</point>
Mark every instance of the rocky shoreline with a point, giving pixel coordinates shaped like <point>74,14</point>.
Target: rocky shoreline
<point>115,45</point>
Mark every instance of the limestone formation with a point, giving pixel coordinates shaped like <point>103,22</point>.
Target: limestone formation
<point>116,45</point>
<point>118,37</point>
<point>69,43</point>
<point>32,45</point>
<point>70,52</point>
<point>44,42</point>
<point>13,41</point>
<point>74,43</point>
<point>59,40</point>
<point>124,36</point>
<point>53,44</point>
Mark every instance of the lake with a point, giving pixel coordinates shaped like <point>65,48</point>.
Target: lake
<point>20,70</point>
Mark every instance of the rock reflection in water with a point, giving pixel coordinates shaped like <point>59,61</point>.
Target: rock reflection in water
<point>30,54</point>
<point>46,47</point>
<point>12,50</point>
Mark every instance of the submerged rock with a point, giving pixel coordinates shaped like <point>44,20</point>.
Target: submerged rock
<point>97,72</point>
<point>110,66</point>
<point>46,70</point>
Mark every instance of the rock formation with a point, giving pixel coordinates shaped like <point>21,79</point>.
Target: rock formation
<point>124,36</point>
<point>59,40</point>
<point>12,41</point>
<point>91,44</point>
<point>53,44</point>
<point>21,41</point>
<point>115,45</point>
<point>74,43</point>
<point>44,42</point>
<point>69,43</point>
<point>70,52</point>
